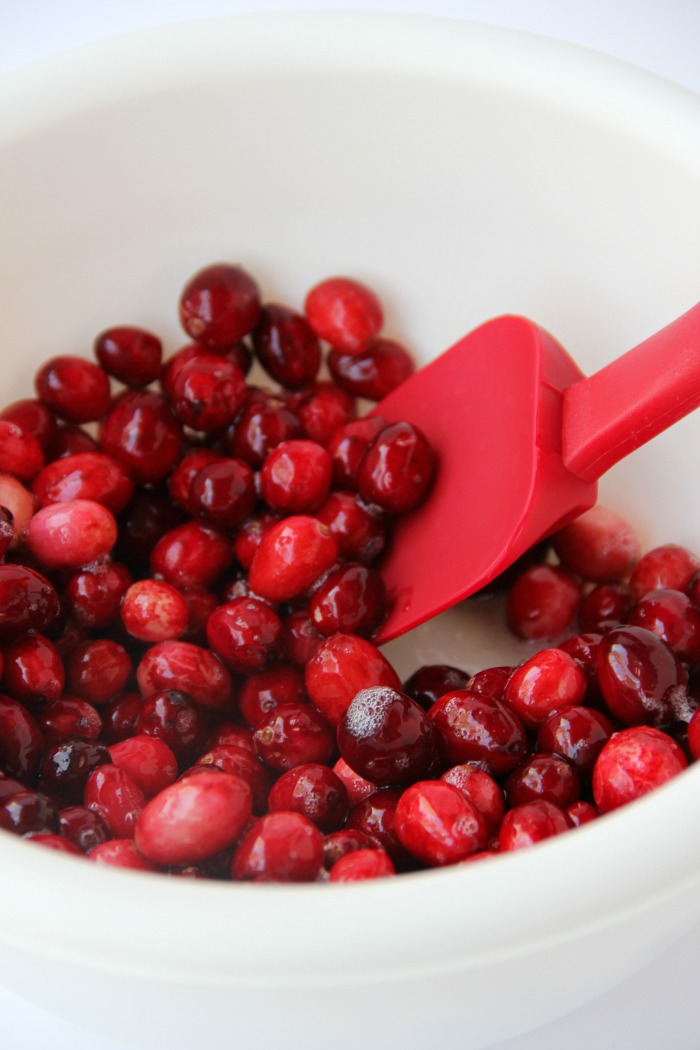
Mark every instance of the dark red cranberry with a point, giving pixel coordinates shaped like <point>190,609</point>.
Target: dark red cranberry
<point>300,640</point>
<point>322,408</point>
<point>83,827</point>
<point>21,742</point>
<point>431,681</point>
<point>489,682</point>
<point>249,535</point>
<point>600,545</point>
<point>148,517</point>
<point>292,555</point>
<point>148,760</point>
<point>340,668</point>
<point>383,366</point>
<point>9,786</point>
<point>93,595</point>
<point>693,735</point>
<point>7,530</point>
<point>345,313</point>
<point>543,776</point>
<point>67,764</point>
<point>28,602</point>
<point>674,617</point>
<point>293,735</point>
<point>69,716</point>
<point>85,475</point>
<point>141,432</point>
<point>33,671</point>
<point>173,718</point>
<point>286,347</point>
<point>531,823</point>
<point>475,728</point>
<point>669,567</point>
<point>98,670</point>
<point>638,676</point>
<point>359,531</point>
<point>351,599</point>
<point>188,668</point>
<point>454,830</point>
<point>200,603</point>
<point>192,555</point>
<point>224,493</point>
<point>397,470</point>
<point>74,388</point>
<point>577,734</point>
<point>348,446</point>
<point>121,716</point>
<point>279,847</point>
<point>244,633</point>
<point>548,681</point>
<point>219,305</point>
<point>313,790</point>
<point>374,816</point>
<point>339,843</point>
<point>21,455</point>
<point>181,477</point>
<point>296,477</point>
<point>606,606</point>
<point>71,440</point>
<point>132,355</point>
<point>632,763</point>
<point>262,426</point>
<point>28,813</point>
<point>208,392</point>
<point>542,602</point>
<point>33,417</point>
<point>362,864</point>
<point>116,797</point>
<point>264,690</point>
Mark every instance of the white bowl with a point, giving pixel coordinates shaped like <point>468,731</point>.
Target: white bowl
<point>464,172</point>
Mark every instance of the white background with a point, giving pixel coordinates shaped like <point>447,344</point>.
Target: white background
<point>658,1008</point>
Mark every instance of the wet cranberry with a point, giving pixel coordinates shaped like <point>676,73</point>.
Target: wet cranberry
<point>482,791</point>
<point>71,534</point>
<point>600,545</point>
<point>192,555</point>
<point>322,408</point>
<point>116,797</point>
<point>72,440</point>
<point>21,454</point>
<point>131,355</point>
<point>69,716</point>
<point>93,595</point>
<point>397,470</point>
<point>632,763</point>
<point>33,417</point>
<point>475,728</point>
<point>286,347</point>
<point>374,816</point>
<point>383,366</point>
<point>340,843</point>
<point>359,531</point>
<point>431,681</point>
<point>291,557</point>
<point>674,617</point>
<point>173,718</point>
<point>141,432</point>
<point>669,567</point>
<point>362,864</point>
<point>83,827</point>
<point>542,602</point>
<point>249,535</point>
<point>606,606</point>
<point>9,786</point>
<point>694,735</point>
<point>438,824</point>
<point>186,667</point>
<point>340,668</point>
<point>181,477</point>
<point>33,671</point>
<point>74,388</point>
<point>28,602</point>
<point>208,392</point>
<point>219,305</point>
<point>244,633</point>
<point>120,717</point>
<point>351,599</point>
<point>356,787</point>
<point>313,790</point>
<point>200,603</point>
<point>149,516</point>
<point>543,776</point>
<point>231,734</point>
<point>348,446</point>
<point>577,734</point>
<point>21,742</point>
<point>121,853</point>
<point>85,475</point>
<point>548,681</point>
<point>67,764</point>
<point>279,847</point>
<point>224,493</point>
<point>98,671</point>
<point>7,530</point>
<point>300,640</point>
<point>292,735</point>
<point>581,812</point>
<point>261,427</point>
<point>148,760</point>
<point>531,823</point>
<point>243,763</point>
<point>345,313</point>
<point>638,676</point>
<point>296,477</point>
<point>154,611</point>
<point>28,813</point>
<point>387,738</point>
<point>16,500</point>
<point>264,690</point>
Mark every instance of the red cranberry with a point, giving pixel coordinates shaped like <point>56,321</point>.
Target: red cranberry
<point>232,734</point>
<point>340,668</point>
<point>357,788</point>
<point>577,734</point>
<point>543,776</point>
<point>71,534</point>
<point>208,392</point>
<point>33,671</point>
<point>694,735</point>
<point>71,440</point>
<point>397,470</point>
<point>296,477</point>
<point>600,545</point>
<point>82,827</point>
<point>120,853</point>
<point>674,617</point>
<point>148,517</point>
<point>475,728</point>
<point>670,567</point>
<point>131,355</point>
<point>313,790</point>
<point>28,602</point>
<point>383,366</point>
<point>286,347</point>
<point>531,823</point>
<point>280,847</point>
<point>638,675</point>
<point>632,763</point>
<point>291,557</point>
<point>74,388</point>
<point>28,813</point>
<point>116,797</point>
<point>293,735</point>
<point>243,763</point>
<point>67,764</point>
<point>98,670</point>
<point>362,864</point>
<point>322,408</point>
<point>542,602</point>
<point>20,452</point>
<point>148,760</point>
<point>489,682</point>
<point>249,535</point>
<point>482,791</point>
<point>21,742</point>
<point>219,305</point>
<point>85,476</point>
<point>154,611</point>
<point>340,843</point>
<point>262,426</point>
<point>348,446</point>
<point>606,606</point>
<point>264,690</point>
<point>351,599</point>
<point>345,313</point>
<point>7,530</point>
<point>224,492</point>
<point>141,432</point>
<point>581,812</point>
<point>431,681</point>
<point>548,681</point>
<point>33,417</point>
<point>121,716</point>
<point>173,718</point>
<point>359,531</point>
<point>183,474</point>
<point>93,595</point>
<point>186,667</point>
<point>192,555</point>
<point>244,634</point>
<point>18,502</point>
<point>387,738</point>
<point>453,829</point>
<point>200,604</point>
<point>300,640</point>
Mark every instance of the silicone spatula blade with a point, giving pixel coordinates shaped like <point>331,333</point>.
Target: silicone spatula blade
<point>521,437</point>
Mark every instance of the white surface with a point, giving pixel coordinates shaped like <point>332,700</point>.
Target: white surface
<point>658,1007</point>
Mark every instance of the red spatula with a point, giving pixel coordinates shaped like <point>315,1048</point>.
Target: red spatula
<point>521,437</point>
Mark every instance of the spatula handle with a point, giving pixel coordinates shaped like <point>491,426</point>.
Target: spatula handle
<point>630,401</point>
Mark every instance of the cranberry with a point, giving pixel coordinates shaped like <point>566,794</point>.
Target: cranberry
<point>116,797</point>
<point>16,500</point>
<point>359,531</point>
<point>69,716</point>
<point>323,408</point>
<point>581,812</point>
<point>293,735</point>
<point>263,690</point>
<point>183,474</point>
<point>577,734</point>
<point>232,734</point>
<point>244,633</point>
<point>28,813</point>
<point>170,716</point>
<point>192,555</point>
<point>375,816</point>
<point>71,534</point>
<point>200,604</point>
<point>348,446</point>
<point>72,440</point>
<point>475,728</point>
<point>21,742</point>
<point>262,426</point>
<point>219,305</point>
<point>148,760</point>
<point>606,606</point>
<point>291,557</point>
<point>431,681</point>
<point>670,567</point>
<point>7,531</point>
<point>482,791</point>
<point>74,388</point>
<point>340,668</point>
<point>280,847</point>
<point>345,313</point>
<point>362,864</point>
<point>28,602</point>
<point>93,595</point>
<point>154,611</point>
<point>397,470</point>
<point>296,477</point>
<point>120,853</point>
<point>694,735</point>
<point>243,763</point>
<point>146,520</point>
<point>131,355</point>
<point>313,790</point>
<point>286,347</point>
<point>224,492</point>
<point>249,535</point>
<point>85,476</point>
<point>542,602</point>
<point>489,682</point>
<point>82,827</point>
<point>674,617</point>
<point>208,392</point>
<point>141,432</point>
<point>300,640</point>
<point>600,545</point>
<point>67,764</point>
<point>186,667</point>
<point>340,843</point>
<point>638,676</point>
<point>438,824</point>
<point>543,776</point>
<point>383,366</point>
<point>387,738</point>
<point>548,681</point>
<point>98,670</point>
<point>356,787</point>
<point>531,823</point>
<point>632,763</point>
<point>33,417</point>
<point>120,717</point>
<point>33,671</point>
<point>20,452</point>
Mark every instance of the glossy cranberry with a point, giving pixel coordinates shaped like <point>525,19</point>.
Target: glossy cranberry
<point>693,735</point>
<point>67,764</point>
<point>362,864</point>
<point>279,847</point>
<point>148,760</point>
<point>669,567</point>
<point>292,555</point>
<point>207,392</point>
<point>7,530</point>
<point>581,812</point>
<point>28,813</point>
<point>149,516</point>
<point>359,531</point>
<point>116,797</point>
<point>19,503</point>
<point>600,545</point>
<point>244,633</point>
<point>632,763</point>
<point>383,366</point>
<point>387,738</point>
<point>264,690</point>
<point>576,733</point>
<point>180,479</point>
<point>543,776</point>
<point>28,602</point>
<point>296,477</point>
<point>482,791</point>
<point>154,611</point>
<point>313,790</point>
<point>606,606</point>
<point>475,728</point>
<point>357,788</point>
<point>489,682</point>
<point>74,388</point>
<point>192,555</point>
<point>72,440</point>
<point>438,824</point>
<point>93,595</point>
<point>286,347</point>
<point>397,470</point>
<point>219,305</point>
<point>141,432</point>
<point>82,827</point>
<point>639,676</point>
<point>531,823</point>
<point>261,427</point>
<point>120,853</point>
<point>345,313</point>
<point>431,681</point>
<point>584,649</point>
<point>293,735</point>
<point>9,786</point>
<point>542,602</point>
<point>33,670</point>
<point>348,446</point>
<point>350,599</point>
<point>71,534</point>
<point>173,718</point>
<point>84,476</point>
<point>120,717</point>
<point>224,493</point>
<point>300,640</point>
<point>674,617</point>
<point>200,603</point>
<point>322,408</point>
<point>33,417</point>
<point>243,763</point>
<point>21,742</point>
<point>21,454</point>
<point>231,734</point>
<point>548,681</point>
<point>249,535</point>
<point>340,668</point>
<point>98,670</point>
<point>188,668</point>
<point>69,716</point>
<point>337,844</point>
<point>132,355</point>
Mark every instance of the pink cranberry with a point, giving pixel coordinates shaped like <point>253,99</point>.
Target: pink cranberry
<point>481,790</point>
<point>141,432</point>
<point>350,599</point>
<point>669,567</point>
<point>340,668</point>
<point>548,681</point>
<point>192,555</point>
<point>148,760</point>
<point>82,827</point>
<point>362,864</point>
<point>286,347</point>
<point>293,735</point>
<point>86,476</point>
<point>431,681</point>
<point>543,776</point>
<point>69,716</point>
<point>606,606</point>
<point>71,534</point>
<point>632,763</point>
<point>219,305</point>
<point>531,823</point>
<point>154,611</point>
<point>121,853</point>
<point>224,493</point>
<point>313,790</point>
<point>74,388</point>
<point>171,717</point>
<point>186,667</point>
<point>280,847</point>
<point>577,734</point>
<point>674,617</point>
<point>542,602</point>
<point>359,531</point>
<point>94,594</point>
<point>28,602</point>
<point>98,670</point>
<point>454,828</point>
<point>262,426</point>
<point>131,355</point>
<point>600,545</point>
<point>296,477</point>
<point>67,764</point>
<point>291,557</point>
<point>345,313</point>
<point>639,676</point>
<point>397,470</point>
<point>263,690</point>
<point>33,417</point>
<point>348,446</point>
<point>21,454</point>
<point>373,374</point>
<point>33,671</point>
<point>208,392</point>
<point>115,795</point>
<point>475,728</point>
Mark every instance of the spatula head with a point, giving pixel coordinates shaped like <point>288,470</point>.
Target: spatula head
<point>491,407</point>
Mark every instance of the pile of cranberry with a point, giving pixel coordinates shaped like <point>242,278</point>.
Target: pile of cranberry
<point>188,593</point>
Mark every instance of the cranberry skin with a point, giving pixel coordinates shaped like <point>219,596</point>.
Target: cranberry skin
<point>633,762</point>
<point>638,676</point>
<point>141,432</point>
<point>67,764</point>
<point>291,557</point>
<point>232,734</point>
<point>576,733</point>
<point>340,843</point>
<point>243,763</point>
<point>75,389</point>
<point>669,567</point>
<point>28,813</point>
<point>121,853</point>
<point>362,864</point>
<point>244,633</point>
<point>606,606</point>
<point>674,617</point>
<point>694,735</point>
<point>531,823</point>
<point>28,602</point>
<point>71,534</point>
<point>171,717</point>
<point>98,671</point>
<point>71,440</point>
<point>296,477</point>
<point>293,735</point>
<point>580,813</point>
<point>542,602</point>
<point>85,475</point>
<point>18,502</point>
<point>600,546</point>
<point>264,690</point>
<point>280,847</point>
<point>146,520</point>
<point>180,479</point>
<point>313,790</point>
<point>154,611</point>
<point>120,717</point>
<point>9,786</point>
<point>359,531</point>
<point>21,742</point>
<point>249,535</point>
<point>7,530</point>
<point>261,427</point>
<point>351,599</point>
<point>33,417</point>
<point>131,355</point>
<point>374,816</point>
<point>300,640</point>
<point>387,738</point>
<point>431,681</point>
<point>200,604</point>
<point>286,347</point>
<point>21,454</point>
<point>193,819</point>
<point>491,681</point>
<point>33,671</point>
<point>397,470</point>
<point>69,716</point>
<point>348,446</point>
<point>345,313</point>
<point>322,409</point>
<point>357,788</point>
<point>340,668</point>
<point>543,776</point>
<point>192,555</point>
<point>224,492</point>
<point>383,366</point>
<point>438,824</point>
<point>148,760</point>
<point>208,392</point>
<point>482,791</point>
<point>188,668</point>
<point>475,728</point>
<point>548,681</point>
<point>219,305</point>
<point>82,827</point>
<point>93,595</point>
<point>116,797</point>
